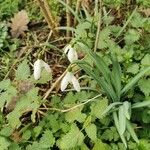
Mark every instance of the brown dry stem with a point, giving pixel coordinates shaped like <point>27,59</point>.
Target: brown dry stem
<point>43,4</point>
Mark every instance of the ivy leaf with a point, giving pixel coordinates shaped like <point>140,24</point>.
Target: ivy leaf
<point>91,131</point>
<point>144,85</point>
<point>98,107</point>
<point>72,139</point>
<point>23,71</point>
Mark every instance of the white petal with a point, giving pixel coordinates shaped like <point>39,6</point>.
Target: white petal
<point>46,66</point>
<point>37,69</point>
<point>65,81</point>
<point>72,55</point>
<point>67,49</point>
<point>75,83</point>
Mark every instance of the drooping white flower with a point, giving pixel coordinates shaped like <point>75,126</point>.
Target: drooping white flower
<point>71,53</point>
<point>38,65</point>
<point>70,78</point>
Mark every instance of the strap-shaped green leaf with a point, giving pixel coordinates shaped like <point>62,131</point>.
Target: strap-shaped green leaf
<point>141,104</point>
<point>134,80</point>
<point>131,131</point>
<point>93,73</point>
<point>122,120</point>
<point>111,106</point>
<point>116,75</point>
<point>127,109</point>
<point>118,129</point>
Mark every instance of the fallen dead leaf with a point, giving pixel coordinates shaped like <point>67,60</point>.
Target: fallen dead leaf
<point>19,24</point>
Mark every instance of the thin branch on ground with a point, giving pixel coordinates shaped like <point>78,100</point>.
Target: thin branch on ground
<point>74,107</point>
<point>43,4</point>
<point>98,25</point>
<point>68,16</point>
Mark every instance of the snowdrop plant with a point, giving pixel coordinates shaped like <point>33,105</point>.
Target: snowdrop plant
<point>71,53</point>
<point>38,65</point>
<point>70,78</point>
<point>109,79</point>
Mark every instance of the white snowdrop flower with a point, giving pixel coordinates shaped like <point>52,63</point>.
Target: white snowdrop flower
<point>71,53</point>
<point>70,78</point>
<point>38,65</point>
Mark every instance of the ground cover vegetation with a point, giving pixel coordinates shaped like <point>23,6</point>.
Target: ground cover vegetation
<point>75,75</point>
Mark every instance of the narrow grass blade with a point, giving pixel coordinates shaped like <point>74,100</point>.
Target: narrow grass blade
<point>122,120</point>
<point>122,29</point>
<point>102,83</point>
<point>70,9</point>
<point>116,75</point>
<point>134,80</point>
<point>131,131</point>
<point>141,104</point>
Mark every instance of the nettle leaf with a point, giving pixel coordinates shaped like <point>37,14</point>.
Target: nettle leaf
<point>131,36</point>
<point>144,85</point>
<point>110,134</point>
<point>4,143</point>
<point>75,114</point>
<point>47,140</point>
<point>98,107</point>
<point>146,60</point>
<point>133,68</point>
<point>28,102</point>
<point>23,71</point>
<point>104,38</point>
<point>91,131</point>
<point>7,92</point>
<point>71,139</point>
<point>45,77</point>
<point>99,145</point>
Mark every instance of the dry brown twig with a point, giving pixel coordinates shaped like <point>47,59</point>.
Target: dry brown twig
<point>68,16</point>
<point>43,4</point>
<point>98,25</point>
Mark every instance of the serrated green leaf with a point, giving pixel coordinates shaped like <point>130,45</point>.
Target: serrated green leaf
<point>133,68</point>
<point>28,102</point>
<point>146,60</point>
<point>26,135</point>
<point>144,85</point>
<point>71,139</point>
<point>45,77</point>
<point>75,114</point>
<point>47,140</point>
<point>4,143</point>
<point>23,71</point>
<point>98,107</point>
<point>99,145</point>
<point>91,131</point>
<point>135,80</point>
<point>131,36</point>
